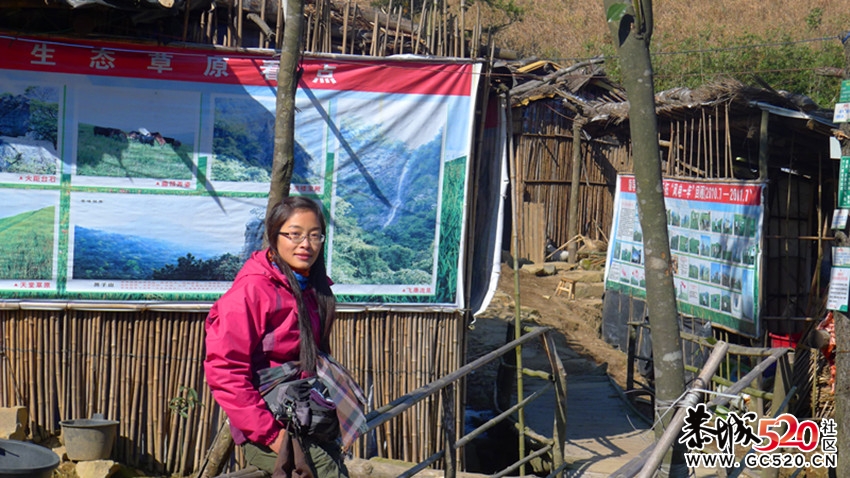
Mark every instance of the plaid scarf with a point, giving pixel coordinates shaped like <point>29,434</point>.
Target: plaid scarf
<point>347,396</point>
<point>342,388</point>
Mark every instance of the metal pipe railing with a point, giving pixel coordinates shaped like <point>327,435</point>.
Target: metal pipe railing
<point>399,405</point>
<point>393,409</point>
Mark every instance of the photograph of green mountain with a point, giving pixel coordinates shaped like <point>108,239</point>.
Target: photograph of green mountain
<point>387,197</point>
<point>112,240</point>
<point>243,141</point>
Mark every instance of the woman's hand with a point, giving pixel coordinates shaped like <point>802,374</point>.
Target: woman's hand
<point>275,445</point>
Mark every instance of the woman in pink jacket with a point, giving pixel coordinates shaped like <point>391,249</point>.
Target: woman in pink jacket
<point>279,309</point>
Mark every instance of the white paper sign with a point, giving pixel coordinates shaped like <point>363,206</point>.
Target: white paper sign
<point>841,114</point>
<point>839,289</point>
<point>839,219</point>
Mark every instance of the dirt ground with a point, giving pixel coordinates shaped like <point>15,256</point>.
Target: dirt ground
<point>577,323</point>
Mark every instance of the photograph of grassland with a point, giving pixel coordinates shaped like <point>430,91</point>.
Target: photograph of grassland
<point>29,128</point>
<point>154,237</point>
<point>27,234</point>
<point>136,133</point>
<point>131,155</point>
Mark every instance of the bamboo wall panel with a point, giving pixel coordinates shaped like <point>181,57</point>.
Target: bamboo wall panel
<point>139,367</point>
<point>789,260</point>
<point>343,27</point>
<point>544,154</point>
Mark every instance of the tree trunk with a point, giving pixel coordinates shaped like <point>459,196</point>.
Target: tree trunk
<point>575,185</point>
<point>282,165</point>
<point>842,338</point>
<point>631,35</point>
<point>287,82</point>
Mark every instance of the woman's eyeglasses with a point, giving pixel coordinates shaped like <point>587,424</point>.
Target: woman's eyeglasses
<point>298,238</point>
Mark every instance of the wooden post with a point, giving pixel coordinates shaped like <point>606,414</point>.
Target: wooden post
<point>559,428</point>
<point>764,152</point>
<point>673,429</point>
<point>842,333</point>
<point>449,430</point>
<point>572,219</point>
<point>219,452</point>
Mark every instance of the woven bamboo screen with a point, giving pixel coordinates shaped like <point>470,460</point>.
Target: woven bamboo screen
<point>142,369</point>
<point>543,152</point>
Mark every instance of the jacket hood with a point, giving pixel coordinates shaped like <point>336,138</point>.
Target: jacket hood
<point>257,264</point>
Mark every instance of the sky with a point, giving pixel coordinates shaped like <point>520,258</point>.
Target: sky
<point>172,113</point>
<point>16,201</point>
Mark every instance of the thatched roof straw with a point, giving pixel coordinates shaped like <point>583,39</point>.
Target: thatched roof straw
<point>684,102</point>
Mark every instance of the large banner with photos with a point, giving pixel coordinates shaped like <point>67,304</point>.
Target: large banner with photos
<point>131,172</point>
<point>715,244</point>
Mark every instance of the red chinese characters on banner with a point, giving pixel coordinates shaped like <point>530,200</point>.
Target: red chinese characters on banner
<point>38,179</point>
<point>149,62</point>
<point>35,285</point>
<point>742,194</point>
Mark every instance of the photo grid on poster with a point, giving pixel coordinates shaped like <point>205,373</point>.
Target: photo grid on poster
<point>715,247</point>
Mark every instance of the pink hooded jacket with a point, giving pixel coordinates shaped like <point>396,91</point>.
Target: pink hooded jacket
<point>254,325</point>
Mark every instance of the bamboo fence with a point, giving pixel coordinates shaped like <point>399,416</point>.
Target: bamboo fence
<point>544,151</point>
<point>344,27</point>
<point>144,368</point>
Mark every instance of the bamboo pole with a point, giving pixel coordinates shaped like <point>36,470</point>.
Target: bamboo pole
<point>429,38</point>
<point>693,145</point>
<point>86,365</point>
<point>385,37</point>
<point>44,399</point>
<point>199,384</point>
<point>398,45</point>
<point>317,26</point>
<point>239,13</point>
<point>56,370</point>
<point>6,373</point>
<point>422,19</point>
<point>444,30</point>
<point>113,383</point>
<point>32,395</point>
<point>462,29</point>
<point>70,367</point>
<point>160,379</point>
<point>326,28</point>
<point>373,47</point>
<point>310,32</point>
<point>120,373</point>
<point>716,133</point>
<point>263,40</point>
<point>706,138</point>
<point>135,408</point>
<point>176,379</point>
<point>345,25</point>
<point>278,28</point>
<point>404,363</point>
<point>193,364</point>
<point>730,171</point>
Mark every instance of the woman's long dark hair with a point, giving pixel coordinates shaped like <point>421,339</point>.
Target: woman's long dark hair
<point>280,213</point>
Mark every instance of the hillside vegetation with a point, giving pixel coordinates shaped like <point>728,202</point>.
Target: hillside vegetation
<point>26,245</point>
<point>781,41</point>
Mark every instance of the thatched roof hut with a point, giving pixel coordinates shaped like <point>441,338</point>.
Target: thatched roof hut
<point>725,130</point>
